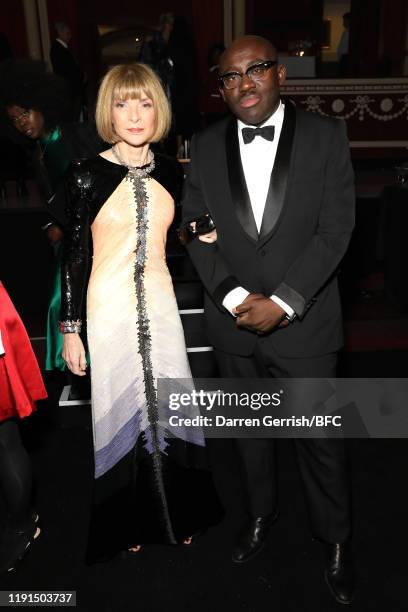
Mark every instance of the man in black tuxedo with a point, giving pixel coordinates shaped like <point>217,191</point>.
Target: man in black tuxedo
<point>278,184</point>
<point>65,65</point>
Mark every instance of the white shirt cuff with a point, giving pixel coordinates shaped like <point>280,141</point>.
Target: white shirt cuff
<point>2,351</point>
<point>234,298</point>
<point>289,311</point>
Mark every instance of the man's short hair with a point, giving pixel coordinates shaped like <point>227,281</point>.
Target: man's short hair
<point>61,26</point>
<point>166,18</point>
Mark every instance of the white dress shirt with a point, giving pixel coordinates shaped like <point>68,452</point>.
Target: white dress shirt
<point>258,158</point>
<point>2,351</point>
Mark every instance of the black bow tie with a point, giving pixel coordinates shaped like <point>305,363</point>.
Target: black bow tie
<point>267,132</point>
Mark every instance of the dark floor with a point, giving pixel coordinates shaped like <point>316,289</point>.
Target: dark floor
<point>286,577</point>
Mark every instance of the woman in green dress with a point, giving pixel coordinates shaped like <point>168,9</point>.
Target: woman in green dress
<point>33,102</point>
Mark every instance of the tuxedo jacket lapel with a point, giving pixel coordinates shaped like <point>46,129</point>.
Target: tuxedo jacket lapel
<point>279,176</point>
<point>236,178</point>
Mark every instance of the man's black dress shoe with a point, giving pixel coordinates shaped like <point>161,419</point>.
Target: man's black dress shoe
<point>339,572</point>
<point>252,537</point>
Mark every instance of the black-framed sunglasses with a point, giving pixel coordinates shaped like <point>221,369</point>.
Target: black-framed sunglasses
<point>256,72</point>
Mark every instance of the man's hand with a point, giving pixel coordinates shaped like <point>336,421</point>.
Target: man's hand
<point>248,301</point>
<point>210,237</point>
<point>261,314</point>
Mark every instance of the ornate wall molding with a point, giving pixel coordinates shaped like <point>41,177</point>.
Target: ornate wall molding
<point>375,110</point>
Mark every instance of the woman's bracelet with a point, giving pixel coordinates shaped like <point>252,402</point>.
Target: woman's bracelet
<point>70,327</point>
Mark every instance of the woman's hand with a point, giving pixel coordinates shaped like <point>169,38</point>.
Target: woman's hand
<point>73,353</point>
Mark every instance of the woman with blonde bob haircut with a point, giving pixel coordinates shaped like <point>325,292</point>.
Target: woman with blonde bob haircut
<point>148,486</point>
<point>131,82</point>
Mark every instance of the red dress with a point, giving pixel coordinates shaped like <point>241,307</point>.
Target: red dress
<point>21,383</point>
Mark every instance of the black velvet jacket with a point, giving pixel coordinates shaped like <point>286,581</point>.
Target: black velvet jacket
<point>88,185</point>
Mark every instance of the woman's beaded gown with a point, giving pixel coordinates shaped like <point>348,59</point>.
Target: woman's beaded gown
<point>151,485</point>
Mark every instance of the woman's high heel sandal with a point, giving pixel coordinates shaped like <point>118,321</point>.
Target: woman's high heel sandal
<point>192,540</point>
<point>16,543</point>
<point>132,552</point>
